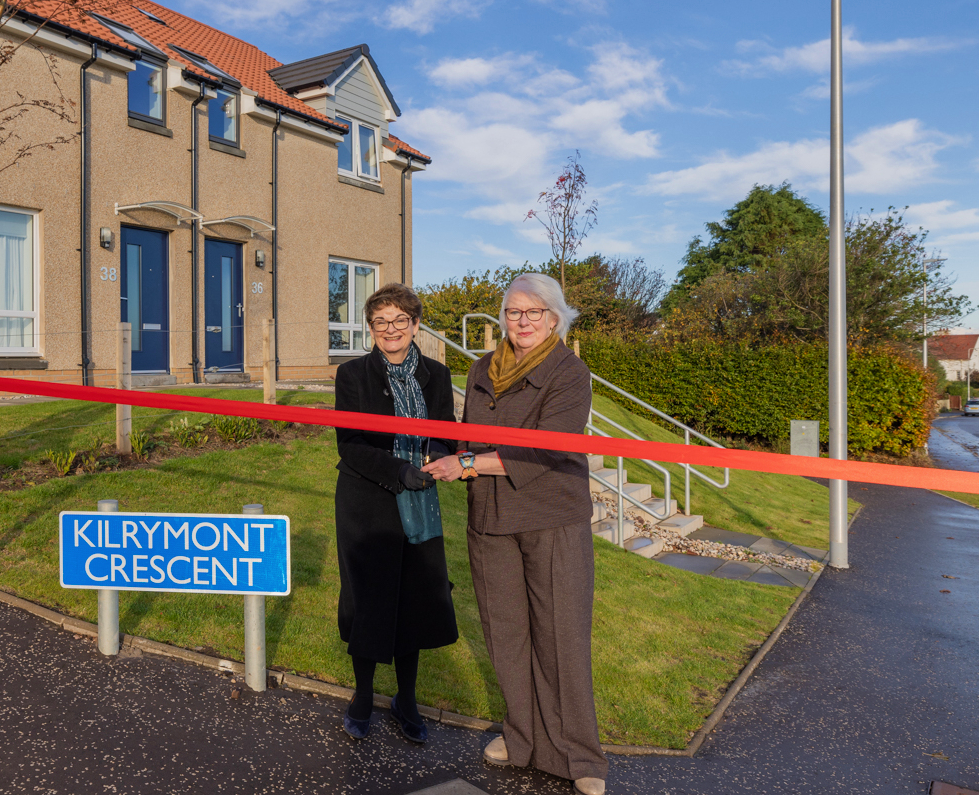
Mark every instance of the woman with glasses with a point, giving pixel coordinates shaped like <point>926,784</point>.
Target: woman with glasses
<point>530,540</point>
<point>394,588</point>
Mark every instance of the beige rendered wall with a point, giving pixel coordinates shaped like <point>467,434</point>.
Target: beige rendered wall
<point>319,217</point>
<point>47,181</point>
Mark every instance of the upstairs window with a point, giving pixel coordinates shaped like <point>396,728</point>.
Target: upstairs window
<point>18,282</point>
<point>147,91</point>
<point>222,118</point>
<point>357,153</point>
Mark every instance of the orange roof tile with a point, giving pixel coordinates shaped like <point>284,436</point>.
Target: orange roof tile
<point>953,346</point>
<point>243,61</point>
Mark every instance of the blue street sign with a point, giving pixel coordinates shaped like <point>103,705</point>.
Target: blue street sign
<point>192,553</point>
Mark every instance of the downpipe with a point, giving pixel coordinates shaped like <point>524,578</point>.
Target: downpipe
<point>194,200</point>
<point>83,216</point>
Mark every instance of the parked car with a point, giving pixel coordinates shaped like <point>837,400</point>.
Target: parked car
<point>971,408</point>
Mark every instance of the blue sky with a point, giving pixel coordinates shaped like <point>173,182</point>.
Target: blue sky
<point>677,110</point>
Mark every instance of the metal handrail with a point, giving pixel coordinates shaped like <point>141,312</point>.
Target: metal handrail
<point>465,337</point>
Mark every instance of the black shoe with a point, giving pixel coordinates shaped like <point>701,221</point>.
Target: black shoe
<point>358,729</point>
<point>416,732</point>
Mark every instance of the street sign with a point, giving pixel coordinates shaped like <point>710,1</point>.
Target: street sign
<point>191,553</point>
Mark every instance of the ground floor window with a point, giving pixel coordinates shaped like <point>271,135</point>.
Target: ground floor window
<point>351,284</point>
<point>18,281</point>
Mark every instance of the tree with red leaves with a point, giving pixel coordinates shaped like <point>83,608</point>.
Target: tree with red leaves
<point>565,217</point>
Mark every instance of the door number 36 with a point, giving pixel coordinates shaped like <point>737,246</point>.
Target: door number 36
<point>107,274</point>
<point>257,287</point>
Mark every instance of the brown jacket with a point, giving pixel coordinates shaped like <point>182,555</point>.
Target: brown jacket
<point>542,489</point>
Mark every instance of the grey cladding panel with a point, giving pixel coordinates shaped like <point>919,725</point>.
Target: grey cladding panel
<point>356,95</point>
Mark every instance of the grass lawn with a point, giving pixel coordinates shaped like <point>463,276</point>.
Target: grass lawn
<point>666,642</point>
<point>971,499</point>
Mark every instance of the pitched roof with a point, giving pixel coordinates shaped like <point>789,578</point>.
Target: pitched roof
<point>241,60</point>
<point>953,346</point>
<point>325,70</point>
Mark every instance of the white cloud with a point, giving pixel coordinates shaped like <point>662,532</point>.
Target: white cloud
<point>940,215</point>
<point>815,57</point>
<point>881,160</point>
<point>821,90</point>
<point>495,251</point>
<point>421,16</point>
<point>472,72</point>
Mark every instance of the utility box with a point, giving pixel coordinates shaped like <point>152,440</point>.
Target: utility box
<point>805,437</point>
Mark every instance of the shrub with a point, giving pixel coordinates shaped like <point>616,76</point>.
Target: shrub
<point>752,392</point>
<point>187,435</point>
<point>235,430</point>
<point>141,444</point>
<point>62,461</point>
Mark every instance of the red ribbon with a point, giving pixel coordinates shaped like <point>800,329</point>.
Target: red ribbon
<point>859,471</point>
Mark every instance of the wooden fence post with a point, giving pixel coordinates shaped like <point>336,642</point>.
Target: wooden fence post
<point>124,380</point>
<point>268,359</point>
<point>577,349</point>
<point>488,334</point>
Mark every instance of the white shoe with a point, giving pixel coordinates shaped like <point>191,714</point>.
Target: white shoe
<point>589,786</point>
<point>495,753</point>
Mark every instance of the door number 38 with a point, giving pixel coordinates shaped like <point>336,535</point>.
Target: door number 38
<point>107,274</point>
<point>257,287</point>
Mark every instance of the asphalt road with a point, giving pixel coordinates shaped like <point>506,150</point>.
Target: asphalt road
<point>873,688</point>
<point>954,442</point>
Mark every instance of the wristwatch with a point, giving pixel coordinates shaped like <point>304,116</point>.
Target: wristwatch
<point>468,462</point>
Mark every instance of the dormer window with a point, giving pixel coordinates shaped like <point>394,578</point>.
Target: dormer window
<point>357,153</point>
<point>222,117</point>
<point>147,91</point>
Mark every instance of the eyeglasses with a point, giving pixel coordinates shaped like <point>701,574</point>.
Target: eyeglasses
<point>400,323</point>
<point>532,314</point>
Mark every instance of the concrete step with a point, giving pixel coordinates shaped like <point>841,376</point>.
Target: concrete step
<point>598,512</point>
<point>684,525</point>
<point>596,462</point>
<point>226,378</point>
<point>655,503</point>
<point>609,476</point>
<point>638,491</point>
<point>606,529</point>
<point>647,547</point>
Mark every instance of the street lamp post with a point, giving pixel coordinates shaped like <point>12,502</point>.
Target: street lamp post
<point>924,305</point>
<point>838,552</point>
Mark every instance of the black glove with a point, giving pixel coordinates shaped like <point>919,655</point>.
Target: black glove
<point>413,478</point>
<point>437,450</point>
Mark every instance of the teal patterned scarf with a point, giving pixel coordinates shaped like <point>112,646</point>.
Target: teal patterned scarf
<point>421,516</point>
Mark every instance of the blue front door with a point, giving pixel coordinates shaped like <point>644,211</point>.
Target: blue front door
<point>145,304</point>
<point>223,306</point>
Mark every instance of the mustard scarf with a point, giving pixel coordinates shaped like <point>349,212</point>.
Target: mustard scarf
<point>505,370</point>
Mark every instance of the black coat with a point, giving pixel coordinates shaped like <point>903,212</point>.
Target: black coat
<point>394,595</point>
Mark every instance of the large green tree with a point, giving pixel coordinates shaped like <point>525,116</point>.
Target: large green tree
<point>788,295</point>
<point>757,230</point>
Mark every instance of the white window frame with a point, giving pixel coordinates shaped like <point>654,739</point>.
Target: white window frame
<point>35,314</point>
<point>353,324</point>
<point>355,125</point>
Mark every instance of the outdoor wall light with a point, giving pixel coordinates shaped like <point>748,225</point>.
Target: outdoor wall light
<point>105,237</point>
<point>259,258</point>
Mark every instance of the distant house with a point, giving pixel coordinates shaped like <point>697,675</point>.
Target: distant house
<point>215,188</point>
<point>958,354</point>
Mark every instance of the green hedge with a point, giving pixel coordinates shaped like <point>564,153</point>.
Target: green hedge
<point>734,389</point>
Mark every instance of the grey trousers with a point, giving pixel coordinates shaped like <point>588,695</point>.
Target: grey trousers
<point>535,593</point>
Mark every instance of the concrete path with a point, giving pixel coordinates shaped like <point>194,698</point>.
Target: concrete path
<point>873,688</point>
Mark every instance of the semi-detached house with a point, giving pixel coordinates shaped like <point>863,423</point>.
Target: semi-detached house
<point>213,188</point>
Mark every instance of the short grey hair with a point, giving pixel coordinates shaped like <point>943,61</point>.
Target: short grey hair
<point>548,292</point>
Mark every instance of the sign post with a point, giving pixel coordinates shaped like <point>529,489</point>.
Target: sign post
<point>109,602</point>
<point>255,627</point>
<point>111,551</point>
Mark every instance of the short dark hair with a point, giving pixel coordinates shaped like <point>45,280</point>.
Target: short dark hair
<point>397,295</point>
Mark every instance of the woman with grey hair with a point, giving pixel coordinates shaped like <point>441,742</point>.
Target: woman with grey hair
<point>530,541</point>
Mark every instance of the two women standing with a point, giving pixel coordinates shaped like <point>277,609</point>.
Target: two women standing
<point>529,534</point>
